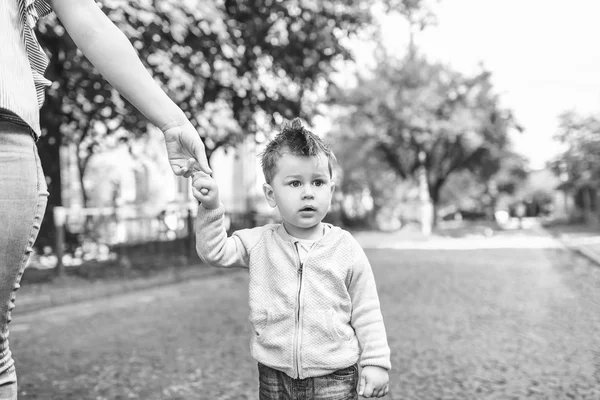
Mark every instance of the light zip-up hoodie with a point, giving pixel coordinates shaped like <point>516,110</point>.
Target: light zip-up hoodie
<point>309,319</point>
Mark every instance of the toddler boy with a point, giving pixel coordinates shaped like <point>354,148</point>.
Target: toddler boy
<point>313,302</point>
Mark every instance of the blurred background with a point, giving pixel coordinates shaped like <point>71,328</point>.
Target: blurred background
<point>444,116</point>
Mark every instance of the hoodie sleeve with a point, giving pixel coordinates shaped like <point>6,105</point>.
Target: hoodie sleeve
<point>367,319</point>
<point>213,245</point>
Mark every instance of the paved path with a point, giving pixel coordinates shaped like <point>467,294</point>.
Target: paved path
<point>508,240</point>
<point>492,323</point>
<point>582,239</point>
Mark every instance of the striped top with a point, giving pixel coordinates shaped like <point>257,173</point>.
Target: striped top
<point>23,62</point>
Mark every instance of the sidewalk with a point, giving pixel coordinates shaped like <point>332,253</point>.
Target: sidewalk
<point>581,239</point>
<point>461,236</point>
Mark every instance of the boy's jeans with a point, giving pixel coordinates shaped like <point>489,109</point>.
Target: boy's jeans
<point>23,197</point>
<point>276,385</point>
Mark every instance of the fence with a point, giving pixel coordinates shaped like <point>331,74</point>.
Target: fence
<point>130,234</point>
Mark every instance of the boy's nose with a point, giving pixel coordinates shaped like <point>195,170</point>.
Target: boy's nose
<point>308,194</point>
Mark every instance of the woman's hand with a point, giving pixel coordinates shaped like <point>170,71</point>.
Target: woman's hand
<point>182,143</point>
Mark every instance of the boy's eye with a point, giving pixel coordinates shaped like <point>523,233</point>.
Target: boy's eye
<point>319,182</point>
<point>295,183</point>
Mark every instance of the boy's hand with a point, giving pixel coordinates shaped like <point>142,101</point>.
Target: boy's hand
<point>374,382</point>
<point>205,190</point>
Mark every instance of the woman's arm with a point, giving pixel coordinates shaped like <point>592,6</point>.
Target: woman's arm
<point>116,59</point>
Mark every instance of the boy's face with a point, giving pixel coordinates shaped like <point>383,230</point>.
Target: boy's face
<point>301,189</point>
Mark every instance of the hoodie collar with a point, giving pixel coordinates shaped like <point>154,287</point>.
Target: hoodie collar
<point>328,235</point>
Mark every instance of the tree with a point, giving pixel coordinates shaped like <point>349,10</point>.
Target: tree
<point>81,107</point>
<point>466,190</point>
<point>414,113</point>
<point>419,14</point>
<point>233,67</point>
<point>362,176</point>
<point>580,136</point>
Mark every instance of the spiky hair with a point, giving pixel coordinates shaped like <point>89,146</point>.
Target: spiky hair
<point>293,139</point>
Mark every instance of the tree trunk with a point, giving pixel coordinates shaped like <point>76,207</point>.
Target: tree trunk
<point>49,150</point>
<point>435,188</point>
<point>434,202</point>
<point>81,167</point>
<point>425,201</point>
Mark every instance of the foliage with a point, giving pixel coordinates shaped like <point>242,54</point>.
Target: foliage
<point>468,191</point>
<point>580,135</point>
<point>233,67</point>
<point>361,177</point>
<point>418,13</point>
<point>512,174</point>
<point>228,65</point>
<point>413,108</point>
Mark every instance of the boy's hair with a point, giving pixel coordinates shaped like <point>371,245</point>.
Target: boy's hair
<point>294,139</point>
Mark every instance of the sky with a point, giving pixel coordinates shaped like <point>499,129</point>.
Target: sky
<point>543,54</point>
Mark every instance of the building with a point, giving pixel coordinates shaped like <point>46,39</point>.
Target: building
<point>131,194</point>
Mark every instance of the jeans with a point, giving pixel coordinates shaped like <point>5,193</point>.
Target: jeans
<point>23,198</point>
<point>339,385</point>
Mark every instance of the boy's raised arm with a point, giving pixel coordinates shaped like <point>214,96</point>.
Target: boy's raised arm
<point>212,243</point>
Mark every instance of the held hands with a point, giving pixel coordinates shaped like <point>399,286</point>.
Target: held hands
<point>187,156</point>
<point>182,143</point>
<point>374,382</point>
<point>204,188</point>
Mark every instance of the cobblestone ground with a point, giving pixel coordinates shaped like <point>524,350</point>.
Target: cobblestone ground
<point>477,324</point>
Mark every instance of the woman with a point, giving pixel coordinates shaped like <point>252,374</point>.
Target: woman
<point>23,191</point>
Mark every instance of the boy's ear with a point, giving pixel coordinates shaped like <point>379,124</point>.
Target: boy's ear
<point>332,187</point>
<point>269,194</point>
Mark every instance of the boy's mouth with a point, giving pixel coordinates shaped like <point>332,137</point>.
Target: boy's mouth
<point>308,208</point>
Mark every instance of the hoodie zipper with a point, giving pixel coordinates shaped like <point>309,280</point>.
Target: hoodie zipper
<point>296,359</point>
<point>298,320</point>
